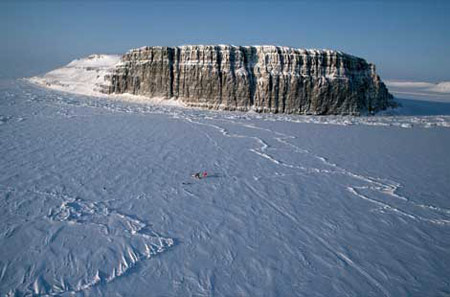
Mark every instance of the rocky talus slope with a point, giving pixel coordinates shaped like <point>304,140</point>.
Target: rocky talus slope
<point>261,78</point>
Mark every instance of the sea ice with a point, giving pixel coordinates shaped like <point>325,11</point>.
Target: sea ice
<point>97,199</point>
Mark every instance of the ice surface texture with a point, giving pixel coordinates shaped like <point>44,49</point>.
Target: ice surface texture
<point>96,199</point>
<point>78,245</point>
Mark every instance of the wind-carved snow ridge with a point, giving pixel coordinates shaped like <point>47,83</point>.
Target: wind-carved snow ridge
<point>83,244</point>
<point>382,193</point>
<point>384,187</point>
<point>261,151</point>
<point>121,103</point>
<point>286,206</point>
<point>6,119</point>
<point>383,119</point>
<point>144,243</point>
<point>386,196</point>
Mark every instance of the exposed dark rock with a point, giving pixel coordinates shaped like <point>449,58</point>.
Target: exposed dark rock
<point>262,78</point>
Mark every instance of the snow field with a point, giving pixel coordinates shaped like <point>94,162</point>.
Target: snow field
<point>97,200</point>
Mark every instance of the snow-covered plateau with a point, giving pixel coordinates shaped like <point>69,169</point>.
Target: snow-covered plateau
<point>97,197</point>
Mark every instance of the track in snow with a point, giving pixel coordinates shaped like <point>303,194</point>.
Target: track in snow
<point>96,199</point>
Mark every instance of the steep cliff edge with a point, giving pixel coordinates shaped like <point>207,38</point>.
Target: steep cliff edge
<point>260,78</point>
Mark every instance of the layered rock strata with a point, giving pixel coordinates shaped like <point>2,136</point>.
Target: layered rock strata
<point>261,78</point>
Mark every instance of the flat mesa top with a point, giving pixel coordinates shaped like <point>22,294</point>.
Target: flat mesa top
<point>264,48</point>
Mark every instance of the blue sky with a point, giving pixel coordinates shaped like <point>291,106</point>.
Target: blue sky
<point>408,40</point>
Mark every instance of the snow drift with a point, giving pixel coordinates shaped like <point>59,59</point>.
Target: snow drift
<point>97,199</point>
<point>84,76</point>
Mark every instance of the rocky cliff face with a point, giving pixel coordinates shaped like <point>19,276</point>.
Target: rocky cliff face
<point>262,78</point>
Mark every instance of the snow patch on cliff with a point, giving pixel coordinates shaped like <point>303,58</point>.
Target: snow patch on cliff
<point>86,76</point>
